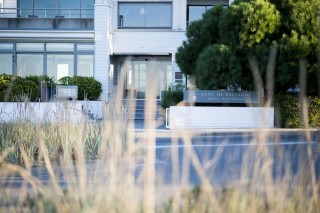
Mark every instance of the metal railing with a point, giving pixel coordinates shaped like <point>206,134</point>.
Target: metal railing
<point>46,13</point>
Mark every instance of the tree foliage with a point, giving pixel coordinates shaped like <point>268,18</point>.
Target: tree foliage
<point>218,47</point>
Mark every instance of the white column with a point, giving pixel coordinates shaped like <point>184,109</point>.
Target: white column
<point>179,14</point>
<point>102,43</point>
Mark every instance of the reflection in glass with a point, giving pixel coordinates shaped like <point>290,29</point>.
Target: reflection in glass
<point>141,73</point>
<point>29,64</point>
<point>158,15</point>
<point>85,47</point>
<point>24,5</point>
<point>195,12</point>
<point>6,46</point>
<point>60,47</point>
<point>87,7</point>
<point>166,74</point>
<point>6,64</point>
<point>145,15</point>
<point>45,8</point>
<point>59,66</point>
<point>85,65</point>
<point>65,7</point>
<point>131,15</point>
<point>30,46</point>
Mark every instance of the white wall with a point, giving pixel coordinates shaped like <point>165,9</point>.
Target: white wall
<point>179,21</point>
<point>101,54</point>
<point>146,42</point>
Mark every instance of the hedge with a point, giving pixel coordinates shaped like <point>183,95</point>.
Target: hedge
<point>289,110</point>
<point>15,88</point>
<point>172,96</point>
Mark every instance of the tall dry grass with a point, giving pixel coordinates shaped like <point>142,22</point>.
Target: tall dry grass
<point>109,166</point>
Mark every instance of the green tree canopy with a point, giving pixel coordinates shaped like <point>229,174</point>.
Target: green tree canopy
<point>218,47</point>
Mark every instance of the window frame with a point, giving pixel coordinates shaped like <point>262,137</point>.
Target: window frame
<point>145,3</point>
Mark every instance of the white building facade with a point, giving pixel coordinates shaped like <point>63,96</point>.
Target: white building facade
<point>119,42</point>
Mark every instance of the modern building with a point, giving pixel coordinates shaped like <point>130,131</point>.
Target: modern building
<point>107,39</point>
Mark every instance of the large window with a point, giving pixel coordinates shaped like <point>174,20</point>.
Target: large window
<point>45,8</point>
<point>58,47</point>
<point>145,15</point>
<point>54,8</point>
<point>29,64</point>
<point>85,65</point>
<point>6,58</point>
<point>6,63</point>
<point>195,12</point>
<point>60,66</point>
<point>53,59</point>
<point>30,47</point>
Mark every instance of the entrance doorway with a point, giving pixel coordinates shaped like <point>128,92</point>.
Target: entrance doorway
<point>144,74</point>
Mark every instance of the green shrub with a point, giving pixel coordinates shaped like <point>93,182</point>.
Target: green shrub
<point>289,110</point>
<point>88,87</point>
<point>15,88</point>
<point>172,96</point>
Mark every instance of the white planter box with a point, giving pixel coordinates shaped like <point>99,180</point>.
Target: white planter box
<point>186,117</point>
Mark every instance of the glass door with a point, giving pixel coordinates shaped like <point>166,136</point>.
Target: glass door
<point>136,80</point>
<point>141,74</point>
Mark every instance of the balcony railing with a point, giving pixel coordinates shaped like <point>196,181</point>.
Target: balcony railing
<point>46,13</point>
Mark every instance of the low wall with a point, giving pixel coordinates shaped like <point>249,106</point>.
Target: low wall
<point>51,111</point>
<point>186,117</point>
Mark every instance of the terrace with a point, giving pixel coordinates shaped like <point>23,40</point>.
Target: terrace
<point>46,18</point>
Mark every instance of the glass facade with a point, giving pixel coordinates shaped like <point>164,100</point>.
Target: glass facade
<point>6,63</point>
<point>145,15</point>
<point>65,47</point>
<point>143,72</point>
<point>29,64</point>
<point>85,65</point>
<point>44,8</point>
<point>53,59</point>
<point>60,66</point>
<point>30,46</point>
<point>195,12</point>
<point>87,7</point>
<point>54,8</point>
<point>85,47</point>
<point>6,46</point>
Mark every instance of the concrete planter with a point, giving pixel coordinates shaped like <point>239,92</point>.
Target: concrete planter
<point>51,111</point>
